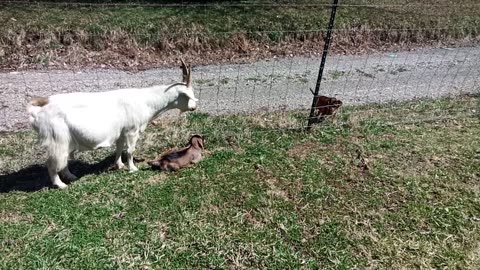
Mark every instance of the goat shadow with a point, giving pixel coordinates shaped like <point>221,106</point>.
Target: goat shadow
<point>35,177</point>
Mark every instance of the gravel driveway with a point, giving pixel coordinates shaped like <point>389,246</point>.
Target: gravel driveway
<point>268,85</point>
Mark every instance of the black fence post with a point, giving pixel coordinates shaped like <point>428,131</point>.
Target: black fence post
<point>328,39</point>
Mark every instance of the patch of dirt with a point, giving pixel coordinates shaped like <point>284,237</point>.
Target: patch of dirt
<point>476,189</point>
<point>275,188</point>
<point>304,150</point>
<point>14,217</point>
<point>474,255</point>
<point>327,153</point>
<point>156,179</point>
<point>250,217</point>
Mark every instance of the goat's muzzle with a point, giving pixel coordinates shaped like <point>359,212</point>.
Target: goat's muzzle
<point>192,104</point>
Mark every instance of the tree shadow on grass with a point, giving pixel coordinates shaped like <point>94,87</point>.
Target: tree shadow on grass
<point>35,177</point>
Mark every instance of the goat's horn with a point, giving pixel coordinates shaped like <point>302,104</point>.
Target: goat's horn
<point>312,91</point>
<point>189,78</point>
<point>185,71</point>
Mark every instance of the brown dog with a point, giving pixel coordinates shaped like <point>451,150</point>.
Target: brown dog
<point>174,160</point>
<point>325,106</point>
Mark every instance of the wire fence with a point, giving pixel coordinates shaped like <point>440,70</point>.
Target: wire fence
<point>366,65</point>
<point>233,3</point>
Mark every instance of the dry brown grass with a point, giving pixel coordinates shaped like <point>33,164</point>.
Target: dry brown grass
<point>63,37</point>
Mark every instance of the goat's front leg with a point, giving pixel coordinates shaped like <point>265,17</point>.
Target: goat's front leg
<point>120,144</point>
<point>131,143</point>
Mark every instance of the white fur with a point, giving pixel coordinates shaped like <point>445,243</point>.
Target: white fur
<point>86,121</point>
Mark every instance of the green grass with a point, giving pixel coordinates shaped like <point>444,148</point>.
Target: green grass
<point>335,74</point>
<point>46,34</point>
<point>379,189</point>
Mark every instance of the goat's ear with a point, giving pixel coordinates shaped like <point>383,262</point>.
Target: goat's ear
<point>188,92</point>
<point>197,141</point>
<point>200,142</point>
<point>154,163</point>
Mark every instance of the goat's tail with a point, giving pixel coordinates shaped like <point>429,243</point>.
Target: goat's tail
<point>34,107</point>
<point>52,130</point>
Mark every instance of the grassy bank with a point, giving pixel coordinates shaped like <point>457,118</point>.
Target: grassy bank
<point>360,193</point>
<point>132,36</point>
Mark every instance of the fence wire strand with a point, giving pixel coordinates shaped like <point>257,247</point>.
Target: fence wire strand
<point>188,4</point>
<point>284,82</point>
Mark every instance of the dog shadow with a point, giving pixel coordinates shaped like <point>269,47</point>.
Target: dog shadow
<point>35,177</point>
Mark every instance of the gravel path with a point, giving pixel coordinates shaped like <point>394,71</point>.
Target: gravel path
<point>268,85</point>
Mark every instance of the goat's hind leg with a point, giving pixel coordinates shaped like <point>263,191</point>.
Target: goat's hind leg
<point>131,144</point>
<point>55,165</point>
<point>120,144</point>
<point>66,172</point>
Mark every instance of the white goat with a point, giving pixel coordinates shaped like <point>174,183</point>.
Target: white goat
<point>71,122</point>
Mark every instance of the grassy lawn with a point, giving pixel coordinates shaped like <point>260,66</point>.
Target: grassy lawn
<point>378,189</point>
<point>136,35</point>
